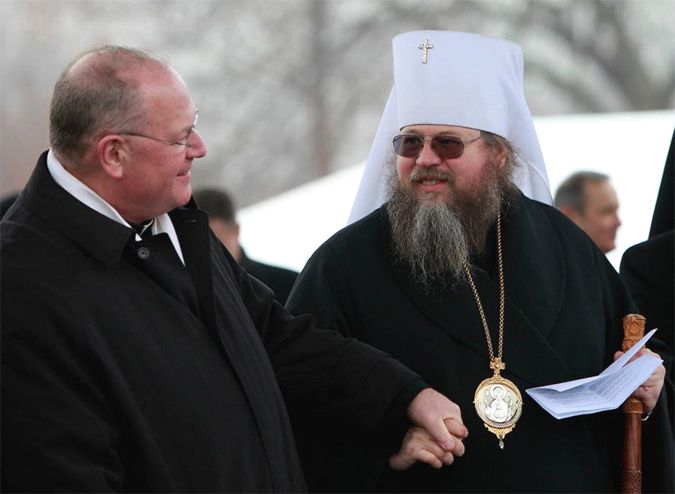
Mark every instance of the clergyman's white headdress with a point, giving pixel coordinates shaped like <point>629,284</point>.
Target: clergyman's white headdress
<point>459,79</point>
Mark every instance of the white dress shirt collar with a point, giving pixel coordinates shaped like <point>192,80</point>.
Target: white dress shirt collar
<point>85,195</point>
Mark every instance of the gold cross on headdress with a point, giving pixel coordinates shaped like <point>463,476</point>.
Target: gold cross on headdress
<point>425,47</point>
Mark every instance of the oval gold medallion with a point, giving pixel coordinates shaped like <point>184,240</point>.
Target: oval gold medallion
<point>499,405</point>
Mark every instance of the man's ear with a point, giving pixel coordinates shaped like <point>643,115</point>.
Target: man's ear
<point>500,157</point>
<point>113,154</point>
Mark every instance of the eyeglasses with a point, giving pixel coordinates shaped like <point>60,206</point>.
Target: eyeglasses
<point>185,143</point>
<point>446,147</point>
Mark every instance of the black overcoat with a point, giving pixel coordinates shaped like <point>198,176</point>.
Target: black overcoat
<point>280,280</point>
<point>124,371</point>
<point>564,305</point>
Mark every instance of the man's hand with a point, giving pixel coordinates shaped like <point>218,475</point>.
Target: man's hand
<point>418,445</point>
<point>441,418</point>
<point>650,390</point>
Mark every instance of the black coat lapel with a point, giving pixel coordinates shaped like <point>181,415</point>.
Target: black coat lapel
<point>192,228</point>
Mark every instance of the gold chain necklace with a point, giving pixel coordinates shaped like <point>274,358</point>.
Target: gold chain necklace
<point>497,400</point>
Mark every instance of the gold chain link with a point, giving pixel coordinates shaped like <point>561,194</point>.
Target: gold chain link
<point>501,296</point>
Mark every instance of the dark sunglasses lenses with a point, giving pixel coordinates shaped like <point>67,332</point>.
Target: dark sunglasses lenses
<point>446,147</point>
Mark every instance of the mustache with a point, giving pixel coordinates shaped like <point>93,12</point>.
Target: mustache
<point>430,173</point>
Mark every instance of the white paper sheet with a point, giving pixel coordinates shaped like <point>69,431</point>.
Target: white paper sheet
<point>606,391</point>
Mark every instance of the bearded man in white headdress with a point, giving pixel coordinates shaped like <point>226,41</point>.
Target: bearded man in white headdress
<point>456,264</point>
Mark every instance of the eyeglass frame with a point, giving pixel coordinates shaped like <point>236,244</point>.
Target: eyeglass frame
<point>431,140</point>
<point>175,143</point>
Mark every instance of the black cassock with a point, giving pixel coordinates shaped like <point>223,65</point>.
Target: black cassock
<point>564,305</point>
<point>123,370</point>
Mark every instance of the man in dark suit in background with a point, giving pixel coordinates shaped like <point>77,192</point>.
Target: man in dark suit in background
<point>223,222</point>
<point>588,199</point>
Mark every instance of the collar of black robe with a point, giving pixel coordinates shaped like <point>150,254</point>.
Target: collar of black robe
<point>522,276</point>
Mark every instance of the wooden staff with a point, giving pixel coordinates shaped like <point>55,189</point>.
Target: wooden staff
<point>631,476</point>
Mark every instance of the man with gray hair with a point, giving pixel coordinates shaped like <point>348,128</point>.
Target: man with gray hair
<point>457,265</point>
<point>588,199</point>
<point>137,356</point>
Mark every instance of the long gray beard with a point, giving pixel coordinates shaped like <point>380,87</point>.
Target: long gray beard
<point>436,240</point>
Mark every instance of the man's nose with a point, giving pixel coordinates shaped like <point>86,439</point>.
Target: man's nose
<point>197,147</point>
<point>617,221</point>
<point>428,156</point>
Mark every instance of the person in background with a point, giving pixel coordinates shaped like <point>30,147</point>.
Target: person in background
<point>648,268</point>
<point>467,275</point>
<point>589,200</point>
<point>223,222</point>
<point>137,355</point>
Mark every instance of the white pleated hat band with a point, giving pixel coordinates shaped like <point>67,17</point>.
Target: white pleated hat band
<point>460,79</point>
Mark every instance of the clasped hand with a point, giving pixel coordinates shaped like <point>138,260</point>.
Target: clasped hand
<point>436,434</point>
